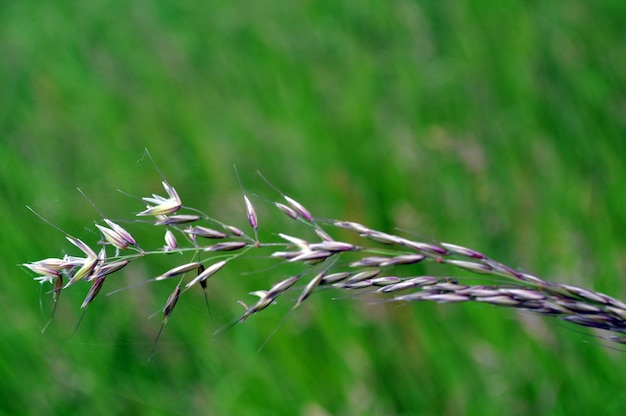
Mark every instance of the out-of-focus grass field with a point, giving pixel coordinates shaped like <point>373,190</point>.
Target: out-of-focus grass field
<point>495,125</point>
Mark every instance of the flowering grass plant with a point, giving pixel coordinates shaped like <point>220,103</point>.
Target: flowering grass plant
<point>373,263</point>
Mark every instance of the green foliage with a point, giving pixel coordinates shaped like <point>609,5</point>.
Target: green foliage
<point>495,125</point>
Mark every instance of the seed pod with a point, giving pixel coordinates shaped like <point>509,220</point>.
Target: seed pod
<point>532,279</point>
<point>618,312</point>
<point>53,264</point>
<point>264,301</point>
<point>234,230</point>
<point>360,276</point>
<point>82,246</point>
<point>121,232</point>
<point>43,269</point>
<point>298,242</point>
<point>206,273</point>
<point>579,307</point>
<point>479,291</point>
<point>314,256</point>
<point>411,297</point>
<point>409,284</point>
<point>323,234</point>
<point>354,226</point>
<point>170,241</point>
<point>463,251</point>
<point>372,261</point>
<point>470,266</point>
<point>115,239</point>
<point>424,247</point>
<point>85,270</point>
<point>290,212</point>
<point>252,217</point>
<point>383,238</point>
<point>385,280</point>
<point>163,206</point>
<point>178,270</point>
<point>176,219</point>
<point>523,294</point>
<point>333,246</point>
<point>501,300</point>
<point>584,293</point>
<point>286,254</point>
<point>356,285</point>
<point>309,288</point>
<point>445,287</point>
<point>404,259</point>
<point>502,269</point>
<point>282,286</point>
<point>107,269</point>
<point>334,278</point>
<point>205,232</point>
<point>226,246</point>
<point>299,208</point>
<point>93,291</point>
<point>170,304</point>
<point>448,298</point>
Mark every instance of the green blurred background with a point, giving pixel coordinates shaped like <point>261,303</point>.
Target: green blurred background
<point>495,125</point>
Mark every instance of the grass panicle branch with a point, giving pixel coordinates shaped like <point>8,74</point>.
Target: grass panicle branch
<point>377,265</point>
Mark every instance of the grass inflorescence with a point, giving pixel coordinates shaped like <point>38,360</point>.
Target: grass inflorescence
<point>378,265</point>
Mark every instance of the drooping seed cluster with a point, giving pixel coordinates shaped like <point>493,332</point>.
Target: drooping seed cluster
<point>378,265</point>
